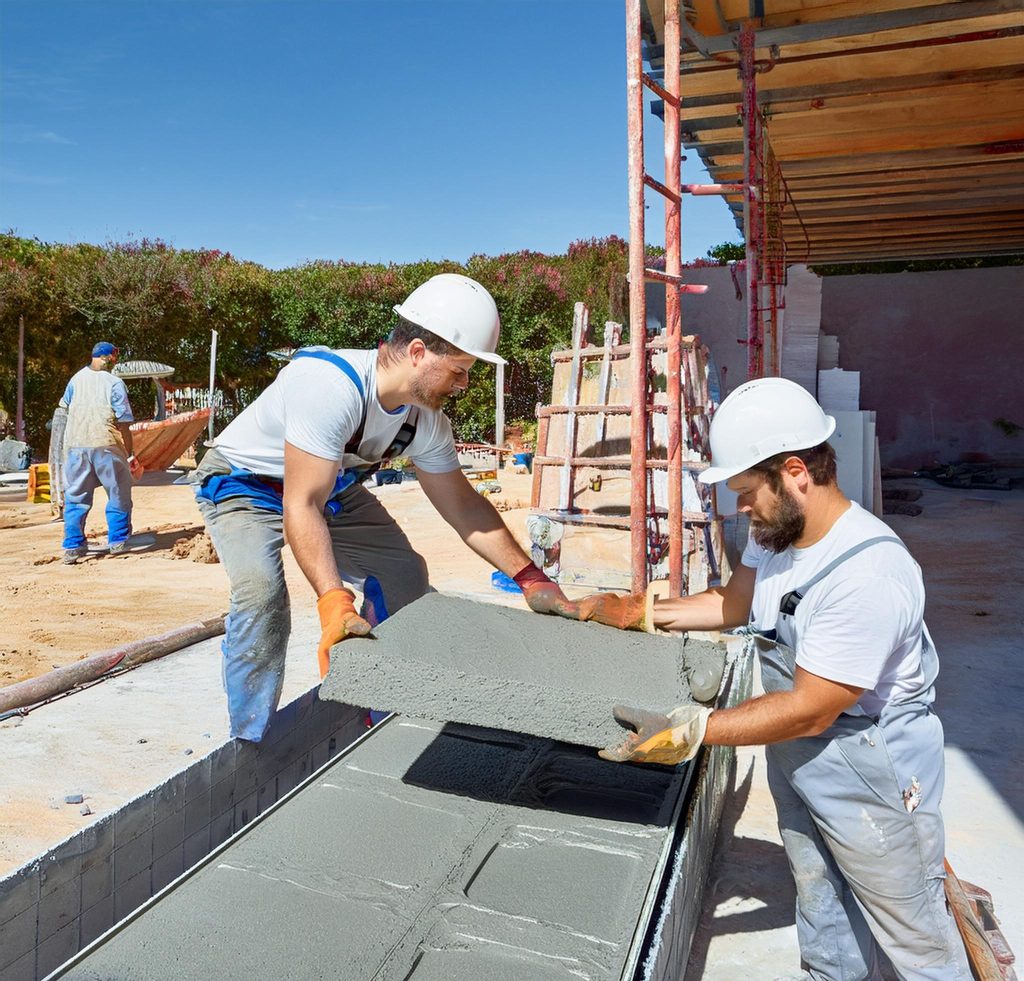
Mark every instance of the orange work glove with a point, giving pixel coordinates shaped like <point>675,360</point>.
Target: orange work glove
<point>543,595</point>
<point>338,620</point>
<point>625,612</point>
<point>135,468</point>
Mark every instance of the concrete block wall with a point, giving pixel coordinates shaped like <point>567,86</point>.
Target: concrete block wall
<point>54,906</point>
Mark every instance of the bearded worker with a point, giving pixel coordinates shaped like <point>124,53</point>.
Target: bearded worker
<point>291,466</point>
<point>833,603</point>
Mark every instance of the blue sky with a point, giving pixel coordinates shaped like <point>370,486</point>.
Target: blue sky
<point>289,130</point>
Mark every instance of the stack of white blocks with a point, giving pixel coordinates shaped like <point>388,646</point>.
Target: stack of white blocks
<point>811,359</point>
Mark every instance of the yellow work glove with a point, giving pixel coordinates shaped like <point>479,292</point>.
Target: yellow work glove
<point>338,620</point>
<point>625,612</point>
<point>656,738</point>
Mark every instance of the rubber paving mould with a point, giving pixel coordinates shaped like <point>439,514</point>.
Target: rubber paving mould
<point>456,660</point>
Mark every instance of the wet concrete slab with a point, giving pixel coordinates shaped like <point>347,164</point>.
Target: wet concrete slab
<point>452,659</point>
<point>426,851</point>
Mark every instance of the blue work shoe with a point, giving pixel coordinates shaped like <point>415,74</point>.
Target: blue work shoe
<point>72,555</point>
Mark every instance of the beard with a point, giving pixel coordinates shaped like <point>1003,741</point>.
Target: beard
<point>424,390</point>
<point>783,527</point>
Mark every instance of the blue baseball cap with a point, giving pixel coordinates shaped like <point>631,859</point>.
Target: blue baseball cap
<point>104,349</point>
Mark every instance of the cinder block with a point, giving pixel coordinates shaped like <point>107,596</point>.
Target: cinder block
<point>97,883</point>
<point>245,811</point>
<point>18,891</point>
<point>319,755</point>
<point>18,936</point>
<point>197,779</point>
<point>246,765</point>
<point>170,796</point>
<point>266,795</point>
<point>23,969</point>
<point>55,950</point>
<point>58,908</point>
<point>222,796</point>
<point>221,828</point>
<point>546,676</point>
<point>281,724</point>
<point>292,775</point>
<point>97,843</point>
<point>97,919</point>
<point>169,833</point>
<point>197,847</point>
<point>222,762</point>
<point>133,819</point>
<point>61,865</point>
<point>133,858</point>
<point>130,896</point>
<point>197,814</point>
<point>168,867</point>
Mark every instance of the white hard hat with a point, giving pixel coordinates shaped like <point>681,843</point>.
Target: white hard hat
<point>761,418</point>
<point>459,310</point>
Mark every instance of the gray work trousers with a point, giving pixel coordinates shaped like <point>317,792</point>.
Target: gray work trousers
<point>372,553</point>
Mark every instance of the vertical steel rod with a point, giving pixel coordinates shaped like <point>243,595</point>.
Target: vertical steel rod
<point>751,212</point>
<point>19,411</point>
<point>637,301</point>
<point>673,313</point>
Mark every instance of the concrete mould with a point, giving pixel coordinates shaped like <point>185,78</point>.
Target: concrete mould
<point>433,851</point>
<point>456,660</point>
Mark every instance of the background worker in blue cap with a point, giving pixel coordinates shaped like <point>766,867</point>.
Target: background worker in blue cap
<point>98,446</point>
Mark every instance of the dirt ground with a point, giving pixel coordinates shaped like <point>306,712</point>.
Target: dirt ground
<point>55,614</point>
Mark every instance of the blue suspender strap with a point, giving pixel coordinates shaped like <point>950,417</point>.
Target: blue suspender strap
<point>336,360</point>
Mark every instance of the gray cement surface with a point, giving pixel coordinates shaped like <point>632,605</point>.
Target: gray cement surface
<point>452,659</point>
<point>426,852</point>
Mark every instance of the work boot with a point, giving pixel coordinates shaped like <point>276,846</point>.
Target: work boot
<point>72,555</point>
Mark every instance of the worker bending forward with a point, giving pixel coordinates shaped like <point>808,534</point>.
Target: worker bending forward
<point>98,448</point>
<point>833,603</point>
<point>290,468</point>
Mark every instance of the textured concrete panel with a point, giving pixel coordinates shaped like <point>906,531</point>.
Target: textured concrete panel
<point>426,851</point>
<point>456,660</point>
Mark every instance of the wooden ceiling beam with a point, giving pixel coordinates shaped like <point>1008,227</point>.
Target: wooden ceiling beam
<point>720,80</point>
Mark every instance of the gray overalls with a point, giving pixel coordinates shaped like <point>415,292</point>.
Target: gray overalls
<point>858,810</point>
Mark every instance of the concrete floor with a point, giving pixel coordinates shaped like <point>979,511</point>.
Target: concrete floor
<point>969,544</point>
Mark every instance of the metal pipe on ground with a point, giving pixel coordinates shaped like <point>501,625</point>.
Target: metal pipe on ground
<point>92,668</point>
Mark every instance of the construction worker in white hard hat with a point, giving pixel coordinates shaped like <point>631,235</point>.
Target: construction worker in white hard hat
<point>832,603</point>
<point>291,466</point>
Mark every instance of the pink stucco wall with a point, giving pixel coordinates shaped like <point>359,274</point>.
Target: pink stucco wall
<point>941,357</point>
<point>941,354</point>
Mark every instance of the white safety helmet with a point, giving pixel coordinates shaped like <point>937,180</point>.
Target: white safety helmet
<point>761,418</point>
<point>459,310</point>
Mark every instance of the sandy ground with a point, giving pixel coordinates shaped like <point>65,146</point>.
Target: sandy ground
<point>55,614</point>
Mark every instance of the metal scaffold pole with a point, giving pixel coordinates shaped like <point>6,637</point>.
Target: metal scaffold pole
<point>637,301</point>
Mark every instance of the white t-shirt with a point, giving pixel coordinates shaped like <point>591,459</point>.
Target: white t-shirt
<point>314,405</point>
<point>862,624</point>
<point>96,402</point>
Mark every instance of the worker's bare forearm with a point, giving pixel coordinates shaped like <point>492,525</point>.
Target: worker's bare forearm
<point>702,611</point>
<point>764,720</point>
<point>306,532</point>
<point>498,547</point>
<point>125,429</point>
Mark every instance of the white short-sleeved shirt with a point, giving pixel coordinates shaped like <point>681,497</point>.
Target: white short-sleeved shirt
<point>315,406</point>
<point>862,624</point>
